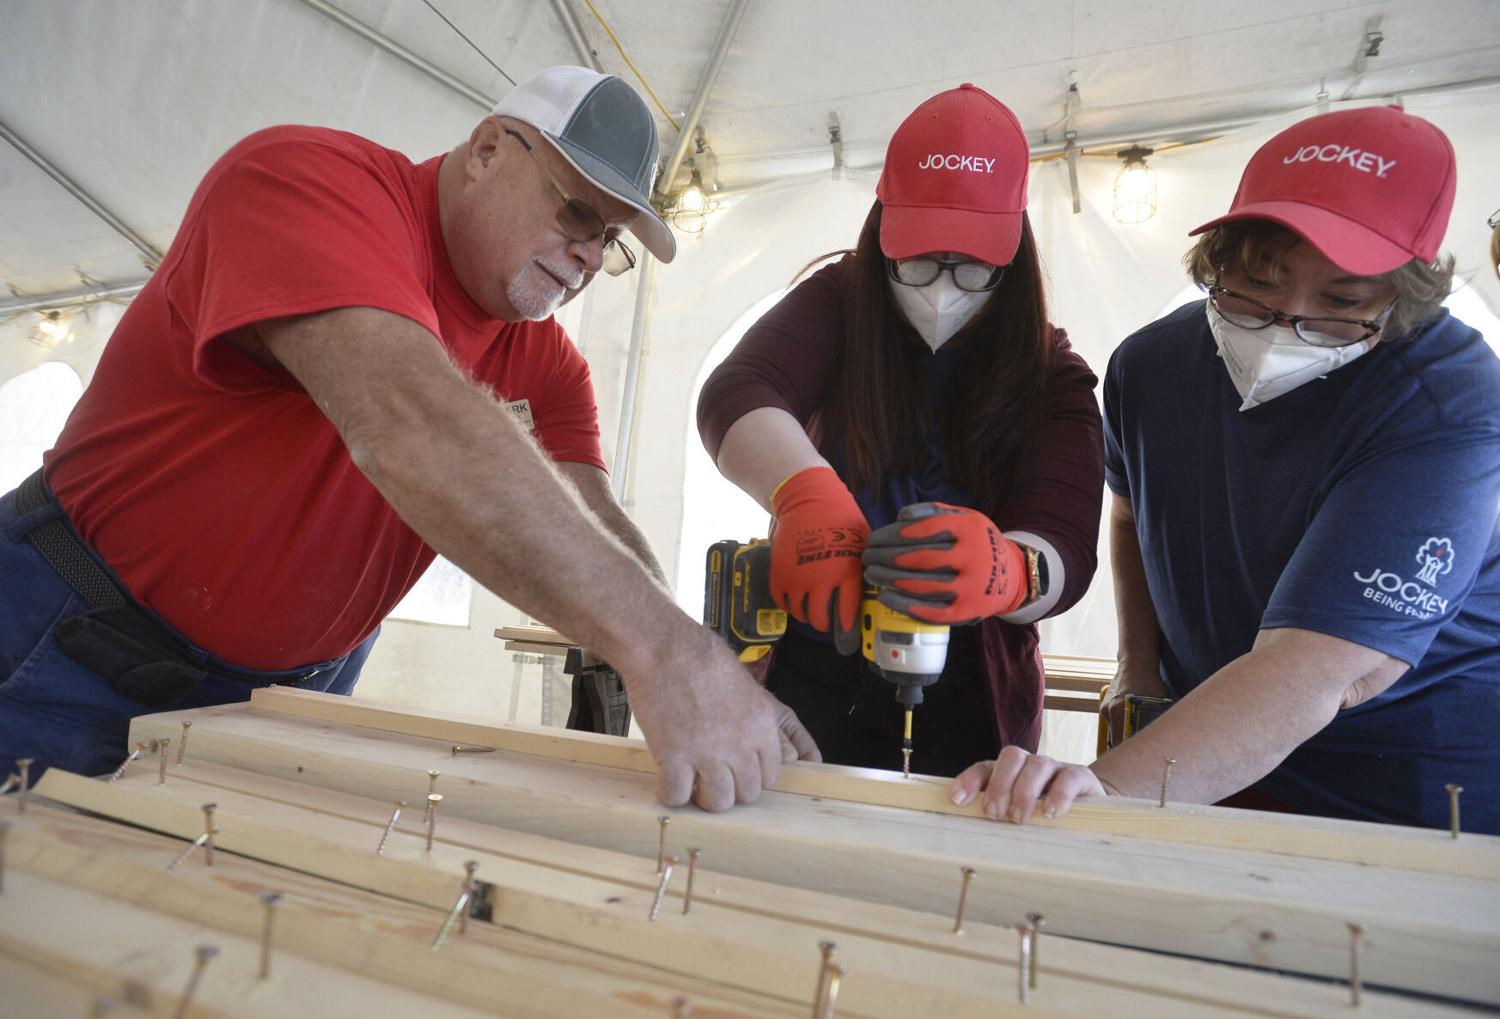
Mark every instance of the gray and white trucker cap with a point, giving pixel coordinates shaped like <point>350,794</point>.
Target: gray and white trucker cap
<point>604,129</point>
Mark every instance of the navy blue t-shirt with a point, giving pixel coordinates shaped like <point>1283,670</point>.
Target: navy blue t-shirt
<point>1362,505</point>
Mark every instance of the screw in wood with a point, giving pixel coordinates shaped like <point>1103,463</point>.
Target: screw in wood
<point>1023,969</point>
<point>140,748</point>
<point>203,953</point>
<point>661,843</point>
<point>457,749</point>
<point>208,832</point>
<point>1036,923</point>
<point>1166,775</point>
<point>661,886</point>
<point>433,799</point>
<point>182,857</point>
<point>1356,943</point>
<point>460,909</point>
<point>826,948</point>
<point>963,895</point>
<point>270,900</point>
<point>1453,791</point>
<point>831,990</point>
<point>161,764</point>
<point>24,763</point>
<point>469,869</point>
<point>389,826</point>
<point>687,898</point>
<point>182,745</point>
<point>680,1008</point>
<point>432,777</point>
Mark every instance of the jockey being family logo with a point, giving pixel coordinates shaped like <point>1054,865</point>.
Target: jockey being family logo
<point>1409,597</point>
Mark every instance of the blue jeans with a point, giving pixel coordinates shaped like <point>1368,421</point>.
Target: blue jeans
<point>62,714</point>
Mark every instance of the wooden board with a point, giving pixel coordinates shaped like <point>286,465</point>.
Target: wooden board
<point>1434,931</point>
<point>1318,838</point>
<point>1078,979</point>
<point>371,935</point>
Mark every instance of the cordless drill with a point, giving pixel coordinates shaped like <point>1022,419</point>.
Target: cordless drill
<point>737,605</point>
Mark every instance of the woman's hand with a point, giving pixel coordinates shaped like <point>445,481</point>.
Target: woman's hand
<point>1018,784</point>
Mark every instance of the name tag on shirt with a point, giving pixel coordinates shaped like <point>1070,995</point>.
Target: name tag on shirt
<point>521,409</point>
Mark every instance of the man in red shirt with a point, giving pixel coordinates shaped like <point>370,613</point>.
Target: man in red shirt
<point>330,379</point>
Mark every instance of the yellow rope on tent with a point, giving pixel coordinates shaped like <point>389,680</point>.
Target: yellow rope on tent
<point>625,57</point>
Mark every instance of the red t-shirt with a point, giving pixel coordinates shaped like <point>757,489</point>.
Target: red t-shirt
<point>213,485</point>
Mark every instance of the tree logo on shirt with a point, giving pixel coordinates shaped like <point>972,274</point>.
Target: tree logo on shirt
<point>1436,557</point>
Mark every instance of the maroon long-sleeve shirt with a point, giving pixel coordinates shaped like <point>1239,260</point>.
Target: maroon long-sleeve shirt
<point>786,360</point>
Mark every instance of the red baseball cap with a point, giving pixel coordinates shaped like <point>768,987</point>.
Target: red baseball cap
<point>1371,188</point>
<point>955,179</point>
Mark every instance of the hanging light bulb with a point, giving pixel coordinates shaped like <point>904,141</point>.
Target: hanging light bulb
<point>1135,187</point>
<point>690,210</point>
<point>52,328</point>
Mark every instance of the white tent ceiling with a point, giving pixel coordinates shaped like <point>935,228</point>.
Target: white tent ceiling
<point>133,99</point>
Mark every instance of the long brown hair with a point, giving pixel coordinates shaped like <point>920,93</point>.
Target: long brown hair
<point>995,402</point>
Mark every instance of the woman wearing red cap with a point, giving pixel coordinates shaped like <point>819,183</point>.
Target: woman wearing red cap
<point>1306,478</point>
<point>915,388</point>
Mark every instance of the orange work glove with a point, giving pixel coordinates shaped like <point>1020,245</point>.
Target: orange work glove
<point>945,564</point>
<point>816,542</point>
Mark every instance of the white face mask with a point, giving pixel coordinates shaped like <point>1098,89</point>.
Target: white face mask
<point>1266,363</point>
<point>939,309</point>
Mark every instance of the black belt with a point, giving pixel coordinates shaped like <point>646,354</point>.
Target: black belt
<point>63,549</point>
<point>117,637</point>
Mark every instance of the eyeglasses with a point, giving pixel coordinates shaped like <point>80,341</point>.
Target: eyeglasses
<point>578,221</point>
<point>1248,313</point>
<point>974,277</point>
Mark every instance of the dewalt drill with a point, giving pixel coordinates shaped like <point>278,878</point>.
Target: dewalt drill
<point>737,605</point>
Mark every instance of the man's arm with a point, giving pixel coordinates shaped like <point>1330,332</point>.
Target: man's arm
<point>1225,735</point>
<point>593,485</point>
<point>466,477</point>
<point>1138,668</point>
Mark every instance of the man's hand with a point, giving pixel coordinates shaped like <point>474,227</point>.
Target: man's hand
<point>1128,680</point>
<point>946,564</point>
<point>713,731</point>
<point>1017,784</point>
<point>819,534</point>
<point>797,743</point>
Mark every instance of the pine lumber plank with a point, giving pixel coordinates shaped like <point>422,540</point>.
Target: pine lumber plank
<point>362,932</point>
<point>1319,838</point>
<point>1078,979</point>
<point>1435,932</point>
<point>751,954</point>
<point>112,949</point>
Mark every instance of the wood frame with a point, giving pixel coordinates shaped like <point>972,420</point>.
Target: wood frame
<point>1279,911</point>
<point>1317,838</point>
<point>1078,979</point>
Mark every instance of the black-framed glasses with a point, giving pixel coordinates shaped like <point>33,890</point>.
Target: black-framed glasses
<point>578,220</point>
<point>968,275</point>
<point>1319,331</point>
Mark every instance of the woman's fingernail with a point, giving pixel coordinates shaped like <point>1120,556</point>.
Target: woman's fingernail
<point>1051,812</point>
<point>1015,816</point>
<point>959,796</point>
<point>993,810</point>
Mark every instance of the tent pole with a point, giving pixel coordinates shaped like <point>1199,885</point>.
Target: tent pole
<point>72,298</point>
<point>151,256</point>
<point>648,265</point>
<point>700,97</point>
<point>569,18</point>
<point>400,52</point>
<point>638,323</point>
